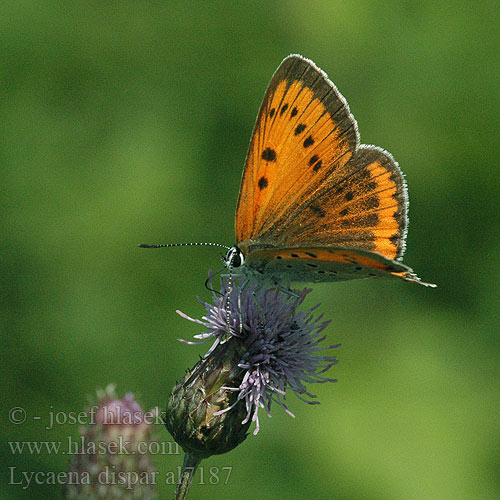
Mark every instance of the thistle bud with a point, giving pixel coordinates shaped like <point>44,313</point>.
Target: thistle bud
<point>113,459</point>
<point>197,415</point>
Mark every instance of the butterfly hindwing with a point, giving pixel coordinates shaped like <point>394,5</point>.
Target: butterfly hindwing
<point>361,204</point>
<point>318,264</point>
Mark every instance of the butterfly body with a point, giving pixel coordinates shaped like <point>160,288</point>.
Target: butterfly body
<point>316,205</point>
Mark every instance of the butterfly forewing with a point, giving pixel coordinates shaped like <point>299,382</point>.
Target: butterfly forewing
<point>304,129</point>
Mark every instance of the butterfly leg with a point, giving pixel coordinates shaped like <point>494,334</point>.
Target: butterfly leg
<point>240,313</point>
<point>228,303</point>
<point>288,291</point>
<point>230,289</point>
<point>239,303</point>
<point>261,311</point>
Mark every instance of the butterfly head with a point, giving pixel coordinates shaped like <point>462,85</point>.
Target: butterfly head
<point>234,258</point>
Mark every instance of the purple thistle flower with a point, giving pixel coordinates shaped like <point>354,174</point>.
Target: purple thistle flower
<point>281,346</point>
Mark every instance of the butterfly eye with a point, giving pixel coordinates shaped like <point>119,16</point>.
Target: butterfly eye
<point>234,257</point>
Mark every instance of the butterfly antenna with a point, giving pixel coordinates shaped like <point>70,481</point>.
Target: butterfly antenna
<point>205,244</point>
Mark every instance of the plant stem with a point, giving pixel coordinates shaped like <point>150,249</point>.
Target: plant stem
<point>189,467</point>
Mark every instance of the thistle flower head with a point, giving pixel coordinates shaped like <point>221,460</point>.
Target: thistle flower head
<point>280,345</point>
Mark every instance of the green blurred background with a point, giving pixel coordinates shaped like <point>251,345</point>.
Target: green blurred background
<point>128,122</point>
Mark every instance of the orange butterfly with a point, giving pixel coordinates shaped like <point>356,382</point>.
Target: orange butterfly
<point>315,204</point>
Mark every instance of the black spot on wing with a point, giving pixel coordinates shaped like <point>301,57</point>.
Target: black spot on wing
<point>317,210</point>
<point>299,129</point>
<point>269,154</point>
<point>262,183</point>
<point>394,239</point>
<point>313,160</point>
<point>308,142</point>
<point>371,203</point>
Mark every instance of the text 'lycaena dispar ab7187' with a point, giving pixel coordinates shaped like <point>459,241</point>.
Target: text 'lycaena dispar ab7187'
<point>315,205</point>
